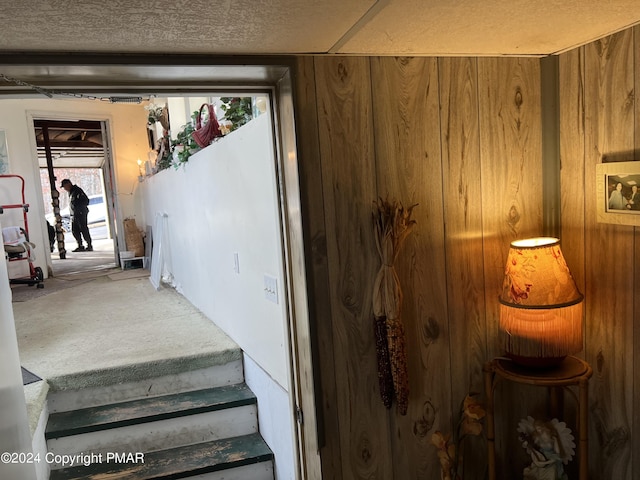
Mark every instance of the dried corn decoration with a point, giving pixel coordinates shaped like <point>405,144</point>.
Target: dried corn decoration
<point>392,223</point>
<point>385,378</point>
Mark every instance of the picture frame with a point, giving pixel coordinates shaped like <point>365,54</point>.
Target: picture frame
<point>618,193</point>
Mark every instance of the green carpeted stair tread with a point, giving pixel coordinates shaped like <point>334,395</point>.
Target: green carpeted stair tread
<point>64,424</point>
<point>178,462</point>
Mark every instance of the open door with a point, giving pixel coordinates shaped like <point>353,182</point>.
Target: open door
<point>110,196</point>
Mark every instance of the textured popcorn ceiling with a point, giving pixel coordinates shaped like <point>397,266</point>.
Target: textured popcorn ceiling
<point>384,27</point>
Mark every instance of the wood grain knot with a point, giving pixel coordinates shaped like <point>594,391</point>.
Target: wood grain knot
<point>600,362</point>
<point>425,423</point>
<point>513,217</point>
<point>365,453</point>
<point>421,428</point>
<point>606,46</point>
<point>430,329</point>
<point>342,72</point>
<point>615,441</point>
<point>631,100</point>
<point>350,302</point>
<point>349,291</point>
<point>403,61</point>
<point>518,98</point>
<point>319,248</point>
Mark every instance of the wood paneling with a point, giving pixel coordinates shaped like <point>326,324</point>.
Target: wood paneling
<point>572,175</point>
<point>463,212</point>
<point>511,167</point>
<point>461,172</point>
<point>345,125</point>
<point>511,192</point>
<point>407,143</point>
<point>599,123</point>
<point>609,130</point>
<point>462,137</point>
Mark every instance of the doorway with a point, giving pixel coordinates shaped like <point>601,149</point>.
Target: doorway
<point>171,74</point>
<point>74,149</point>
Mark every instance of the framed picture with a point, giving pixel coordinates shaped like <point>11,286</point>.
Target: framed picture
<point>618,193</point>
<point>4,153</point>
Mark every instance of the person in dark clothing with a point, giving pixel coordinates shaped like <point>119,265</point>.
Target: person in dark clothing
<point>52,235</point>
<point>78,208</point>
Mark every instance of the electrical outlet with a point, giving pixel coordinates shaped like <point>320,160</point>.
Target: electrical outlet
<point>271,288</point>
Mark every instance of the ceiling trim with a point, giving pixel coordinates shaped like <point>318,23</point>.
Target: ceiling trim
<point>113,58</point>
<point>109,73</point>
<point>357,26</point>
<point>595,39</point>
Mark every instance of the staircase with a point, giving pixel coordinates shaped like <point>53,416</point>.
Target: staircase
<point>199,424</point>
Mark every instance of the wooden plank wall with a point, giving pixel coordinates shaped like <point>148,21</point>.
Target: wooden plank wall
<point>511,158</point>
<point>599,123</point>
<point>460,137</point>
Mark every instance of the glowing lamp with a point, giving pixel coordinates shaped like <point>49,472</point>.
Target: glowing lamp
<point>540,305</point>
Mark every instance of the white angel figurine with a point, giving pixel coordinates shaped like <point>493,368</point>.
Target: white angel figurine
<point>550,445</point>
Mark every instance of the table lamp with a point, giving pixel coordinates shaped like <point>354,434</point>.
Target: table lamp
<point>540,305</point>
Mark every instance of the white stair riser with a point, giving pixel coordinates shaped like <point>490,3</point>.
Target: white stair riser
<point>160,435</point>
<point>217,376</point>
<point>256,471</point>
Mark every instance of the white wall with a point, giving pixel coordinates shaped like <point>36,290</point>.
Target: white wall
<point>224,201</point>
<point>14,426</point>
<point>275,418</point>
<point>129,142</point>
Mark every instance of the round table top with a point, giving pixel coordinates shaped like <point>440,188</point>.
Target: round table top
<point>570,371</point>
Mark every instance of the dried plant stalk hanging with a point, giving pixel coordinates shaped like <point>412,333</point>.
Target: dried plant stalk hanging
<point>392,224</point>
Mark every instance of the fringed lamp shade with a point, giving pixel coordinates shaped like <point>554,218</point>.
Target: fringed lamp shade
<point>540,305</point>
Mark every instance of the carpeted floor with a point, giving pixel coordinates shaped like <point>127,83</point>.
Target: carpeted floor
<point>94,324</point>
<point>24,293</point>
<point>103,331</point>
<point>76,269</point>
